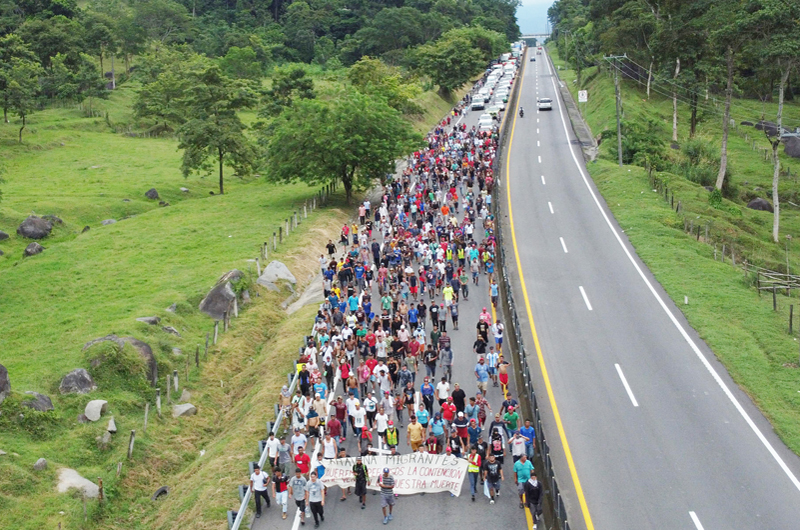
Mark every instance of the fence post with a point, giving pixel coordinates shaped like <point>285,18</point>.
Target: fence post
<point>280,234</point>
<point>791,317</point>
<point>130,444</point>
<point>169,390</point>
<point>274,242</point>
<point>216,331</point>
<point>258,266</point>
<point>158,401</point>
<point>197,357</point>
<point>146,413</point>
<point>205,353</point>
<point>225,321</point>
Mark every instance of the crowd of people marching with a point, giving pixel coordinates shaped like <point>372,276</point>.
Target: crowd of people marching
<point>393,285</point>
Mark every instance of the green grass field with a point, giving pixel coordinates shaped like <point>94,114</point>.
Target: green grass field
<point>87,285</point>
<point>745,333</point>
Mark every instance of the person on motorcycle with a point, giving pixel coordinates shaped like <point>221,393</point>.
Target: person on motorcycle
<point>521,112</point>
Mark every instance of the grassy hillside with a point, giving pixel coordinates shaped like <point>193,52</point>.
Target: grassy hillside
<point>741,327</point>
<point>87,285</point>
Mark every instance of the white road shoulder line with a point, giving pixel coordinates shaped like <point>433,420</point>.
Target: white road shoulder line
<point>696,521</point>
<point>550,205</point>
<point>626,385</point>
<point>696,349</point>
<point>585,298</point>
<point>564,246</point>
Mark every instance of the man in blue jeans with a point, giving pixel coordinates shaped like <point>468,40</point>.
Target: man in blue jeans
<point>530,433</point>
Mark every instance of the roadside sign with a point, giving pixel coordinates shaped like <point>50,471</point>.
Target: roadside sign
<point>583,96</point>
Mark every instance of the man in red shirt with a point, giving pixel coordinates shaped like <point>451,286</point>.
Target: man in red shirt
<point>340,409</point>
<point>448,411</point>
<point>303,461</point>
<point>334,428</point>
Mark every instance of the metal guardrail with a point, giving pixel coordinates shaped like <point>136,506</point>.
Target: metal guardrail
<point>559,509</point>
<point>235,523</point>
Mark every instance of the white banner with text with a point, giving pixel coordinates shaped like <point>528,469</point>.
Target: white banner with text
<point>413,473</point>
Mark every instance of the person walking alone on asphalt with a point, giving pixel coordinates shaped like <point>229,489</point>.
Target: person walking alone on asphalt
<point>386,482</point>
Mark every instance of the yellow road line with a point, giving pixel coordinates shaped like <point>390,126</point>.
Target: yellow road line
<point>570,462</point>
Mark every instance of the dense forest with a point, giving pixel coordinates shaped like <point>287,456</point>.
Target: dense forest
<point>198,63</point>
<point>687,50</point>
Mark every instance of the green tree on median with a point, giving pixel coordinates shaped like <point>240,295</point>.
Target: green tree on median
<point>213,131</point>
<point>353,137</point>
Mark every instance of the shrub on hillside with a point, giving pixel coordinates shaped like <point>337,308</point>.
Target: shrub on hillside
<point>117,368</point>
<point>642,143</point>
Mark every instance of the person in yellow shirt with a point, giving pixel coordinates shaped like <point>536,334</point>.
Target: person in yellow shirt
<point>416,434</point>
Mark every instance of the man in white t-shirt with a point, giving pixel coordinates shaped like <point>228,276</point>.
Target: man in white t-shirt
<point>298,440</point>
<point>258,485</point>
<point>517,443</point>
<point>442,390</point>
<point>359,416</point>
<point>497,331</point>
<point>272,447</point>
<point>381,422</point>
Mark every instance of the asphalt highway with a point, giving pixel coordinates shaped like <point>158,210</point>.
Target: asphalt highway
<point>432,510</point>
<point>655,433</point>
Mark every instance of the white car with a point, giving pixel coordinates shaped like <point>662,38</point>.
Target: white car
<point>478,103</point>
<point>499,103</point>
<point>483,127</point>
<point>544,103</point>
<point>494,109</point>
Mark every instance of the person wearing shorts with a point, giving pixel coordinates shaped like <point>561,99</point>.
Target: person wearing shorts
<point>482,375</point>
<point>502,372</point>
<point>362,478</point>
<point>386,483</point>
<point>297,491</point>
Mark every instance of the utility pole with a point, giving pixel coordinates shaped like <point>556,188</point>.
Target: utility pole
<point>619,103</point>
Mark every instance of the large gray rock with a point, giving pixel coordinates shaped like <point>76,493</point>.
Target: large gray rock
<point>143,348</point>
<point>5,383</point>
<point>149,320</point>
<point>71,479</point>
<point>220,299</point>
<point>33,249</point>
<point>3,236</point>
<point>35,228</point>
<point>185,396</point>
<point>40,465</point>
<point>276,271</point>
<point>151,194</point>
<point>95,409</point>
<point>38,402</point>
<point>184,409</point>
<point>760,204</point>
<point>791,146</point>
<point>77,381</point>
<point>767,126</point>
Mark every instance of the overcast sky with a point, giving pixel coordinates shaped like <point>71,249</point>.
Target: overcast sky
<point>532,15</point>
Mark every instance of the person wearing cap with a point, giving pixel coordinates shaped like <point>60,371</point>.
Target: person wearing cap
<point>258,485</point>
<point>474,431</point>
<point>391,435</point>
<point>482,375</point>
<point>387,483</point>
<point>462,429</point>
<point>511,419</point>
<point>361,475</point>
<point>474,463</point>
<point>297,491</point>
